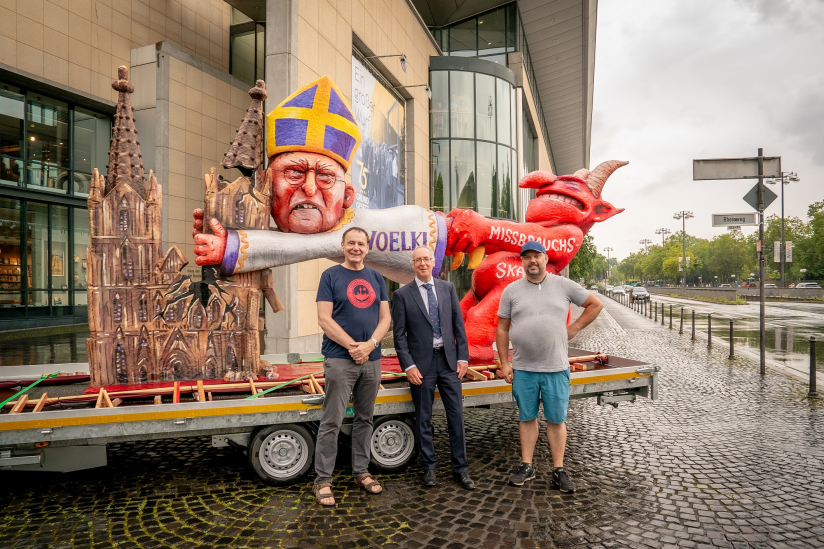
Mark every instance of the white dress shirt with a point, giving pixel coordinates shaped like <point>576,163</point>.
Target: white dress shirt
<point>436,341</point>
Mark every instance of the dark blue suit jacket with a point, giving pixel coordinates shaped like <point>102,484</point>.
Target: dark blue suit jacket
<point>413,329</point>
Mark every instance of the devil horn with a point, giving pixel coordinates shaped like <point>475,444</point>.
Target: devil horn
<point>598,177</point>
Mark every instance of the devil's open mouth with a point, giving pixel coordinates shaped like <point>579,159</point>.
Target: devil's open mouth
<point>564,198</point>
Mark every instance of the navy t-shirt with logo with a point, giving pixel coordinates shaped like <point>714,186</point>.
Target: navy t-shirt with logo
<point>356,300</point>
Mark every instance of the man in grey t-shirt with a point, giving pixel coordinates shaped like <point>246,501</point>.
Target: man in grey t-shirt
<point>535,308</point>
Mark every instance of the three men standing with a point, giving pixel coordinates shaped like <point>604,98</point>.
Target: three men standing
<point>430,341</point>
<point>537,307</point>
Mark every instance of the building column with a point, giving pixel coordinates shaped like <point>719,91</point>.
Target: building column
<point>281,75</point>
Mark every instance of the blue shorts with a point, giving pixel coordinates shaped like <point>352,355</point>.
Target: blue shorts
<point>550,387</point>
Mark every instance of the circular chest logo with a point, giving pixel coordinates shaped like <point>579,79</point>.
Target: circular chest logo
<point>360,293</point>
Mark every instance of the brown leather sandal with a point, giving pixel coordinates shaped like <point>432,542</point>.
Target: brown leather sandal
<point>324,497</point>
<point>369,484</point>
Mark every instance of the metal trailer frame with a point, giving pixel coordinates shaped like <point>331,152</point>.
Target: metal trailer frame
<point>70,440</point>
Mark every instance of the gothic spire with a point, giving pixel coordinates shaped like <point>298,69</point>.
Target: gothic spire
<point>245,151</point>
<point>125,160</point>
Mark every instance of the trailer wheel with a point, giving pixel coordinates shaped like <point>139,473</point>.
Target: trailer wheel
<point>393,445</point>
<point>281,454</point>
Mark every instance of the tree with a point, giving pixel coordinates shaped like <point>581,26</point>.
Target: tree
<point>581,264</point>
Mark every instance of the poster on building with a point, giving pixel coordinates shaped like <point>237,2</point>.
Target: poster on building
<point>788,250</point>
<point>377,170</point>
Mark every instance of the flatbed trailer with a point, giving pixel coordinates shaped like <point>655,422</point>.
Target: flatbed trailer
<point>276,432</point>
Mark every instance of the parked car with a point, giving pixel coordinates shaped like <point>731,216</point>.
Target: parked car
<point>808,286</point>
<point>639,293</point>
<point>768,286</point>
<point>610,287</point>
<point>619,290</point>
<point>593,287</point>
<point>725,286</point>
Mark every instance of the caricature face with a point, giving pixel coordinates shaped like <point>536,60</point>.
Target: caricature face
<point>309,192</point>
<point>567,200</point>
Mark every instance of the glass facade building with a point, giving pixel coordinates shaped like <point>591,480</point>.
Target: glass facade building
<point>247,46</point>
<point>48,149</point>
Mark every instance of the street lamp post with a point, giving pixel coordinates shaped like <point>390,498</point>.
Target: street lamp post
<point>683,216</point>
<point>663,231</point>
<point>785,179</point>
<point>803,274</point>
<point>715,281</point>
<point>607,250</point>
<point>645,242</point>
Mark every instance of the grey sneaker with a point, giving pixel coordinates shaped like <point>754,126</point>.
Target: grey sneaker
<point>563,481</point>
<point>524,473</point>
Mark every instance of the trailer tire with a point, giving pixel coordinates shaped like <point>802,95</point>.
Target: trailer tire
<point>281,454</point>
<point>393,446</point>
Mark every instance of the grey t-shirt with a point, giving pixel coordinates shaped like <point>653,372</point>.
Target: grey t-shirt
<point>539,313</point>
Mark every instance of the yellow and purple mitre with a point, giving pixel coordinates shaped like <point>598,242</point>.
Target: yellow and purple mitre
<point>316,119</point>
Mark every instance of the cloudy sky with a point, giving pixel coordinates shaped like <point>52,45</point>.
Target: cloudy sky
<point>677,80</point>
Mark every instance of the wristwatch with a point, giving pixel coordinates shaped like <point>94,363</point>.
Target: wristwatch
<point>375,341</point>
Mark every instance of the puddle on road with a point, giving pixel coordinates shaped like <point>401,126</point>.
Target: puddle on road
<point>787,344</point>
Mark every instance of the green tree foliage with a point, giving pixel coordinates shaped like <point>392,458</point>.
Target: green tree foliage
<point>581,264</point>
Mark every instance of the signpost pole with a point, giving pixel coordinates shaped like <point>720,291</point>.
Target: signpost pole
<point>761,264</point>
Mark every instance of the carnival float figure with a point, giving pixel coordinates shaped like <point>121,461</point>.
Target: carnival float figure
<point>312,137</point>
<point>561,214</point>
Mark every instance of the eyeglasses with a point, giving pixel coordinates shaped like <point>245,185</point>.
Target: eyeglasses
<point>298,177</point>
<point>423,260</point>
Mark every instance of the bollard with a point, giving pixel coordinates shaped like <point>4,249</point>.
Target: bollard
<point>709,329</point>
<point>813,393</point>
<point>681,323</point>
<point>656,313</point>
<point>670,317</point>
<point>732,343</point>
<point>693,324</point>
<point>662,314</point>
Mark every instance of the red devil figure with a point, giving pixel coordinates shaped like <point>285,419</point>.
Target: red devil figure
<point>561,214</point>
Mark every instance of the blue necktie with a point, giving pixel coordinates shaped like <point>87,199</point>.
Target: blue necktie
<point>434,317</point>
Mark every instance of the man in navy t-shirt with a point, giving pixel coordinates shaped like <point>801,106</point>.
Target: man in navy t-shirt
<point>353,312</point>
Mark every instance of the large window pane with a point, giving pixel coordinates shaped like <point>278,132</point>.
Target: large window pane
<point>439,178</point>
<point>61,260</point>
<point>38,299</point>
<point>243,53</point>
<point>9,299</point>
<point>515,191</point>
<point>461,103</point>
<point>37,250</point>
<point>82,183</point>
<point>463,170</point>
<point>48,130</point>
<point>485,107</point>
<point>504,122</point>
<point>47,177</point>
<point>463,39</point>
<point>492,32</point>
<point>81,244</point>
<point>12,118</point>
<point>513,113</point>
<point>12,172</point>
<point>91,141</point>
<point>487,180</point>
<point>260,52</point>
<point>439,104</point>
<point>498,58</point>
<point>10,253</point>
<point>505,171</point>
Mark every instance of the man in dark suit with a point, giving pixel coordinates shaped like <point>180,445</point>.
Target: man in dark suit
<point>430,340</point>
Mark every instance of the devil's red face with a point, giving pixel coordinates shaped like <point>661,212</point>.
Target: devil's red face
<point>565,200</point>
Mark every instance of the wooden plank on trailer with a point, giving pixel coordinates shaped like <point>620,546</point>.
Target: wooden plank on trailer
<point>99,403</point>
<point>20,404</point>
<point>210,396</point>
<point>475,374</point>
<point>106,399</point>
<point>41,403</point>
<point>176,393</point>
<point>158,399</point>
<point>316,385</point>
<point>252,386</point>
<point>308,387</point>
<point>201,396</point>
<point>116,402</point>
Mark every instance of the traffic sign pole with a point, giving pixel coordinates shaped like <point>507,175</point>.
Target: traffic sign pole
<point>761,264</point>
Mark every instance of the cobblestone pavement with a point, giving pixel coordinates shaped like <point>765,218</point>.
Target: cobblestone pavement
<point>724,458</point>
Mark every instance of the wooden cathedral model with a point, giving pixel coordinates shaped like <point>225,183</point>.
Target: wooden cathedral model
<point>148,321</point>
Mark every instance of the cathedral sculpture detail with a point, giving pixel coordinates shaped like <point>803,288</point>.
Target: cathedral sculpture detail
<point>148,321</point>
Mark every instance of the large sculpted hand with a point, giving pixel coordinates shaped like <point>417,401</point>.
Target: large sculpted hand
<point>467,230</point>
<point>209,248</point>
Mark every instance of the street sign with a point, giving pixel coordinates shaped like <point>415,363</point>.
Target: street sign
<point>734,168</point>
<point>726,220</point>
<point>751,197</point>
<point>733,227</point>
